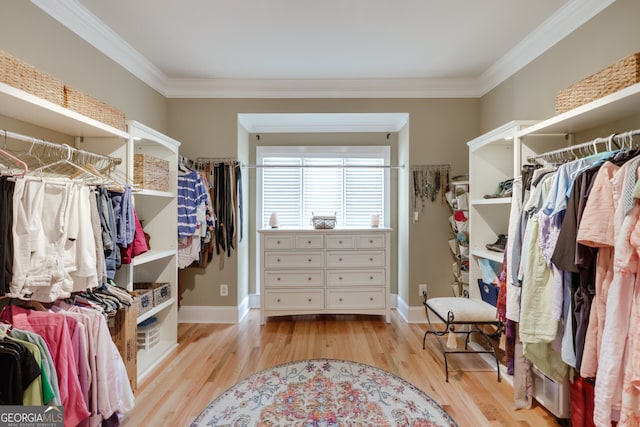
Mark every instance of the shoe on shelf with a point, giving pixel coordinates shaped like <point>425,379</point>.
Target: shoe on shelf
<point>498,245</point>
<point>505,189</point>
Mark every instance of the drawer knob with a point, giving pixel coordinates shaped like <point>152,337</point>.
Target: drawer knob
<point>309,260</point>
<point>340,241</point>
<point>371,299</point>
<point>309,278</point>
<point>370,241</point>
<point>278,260</point>
<point>309,242</point>
<point>278,242</point>
<point>340,259</point>
<point>309,299</point>
<point>278,300</point>
<point>278,278</point>
<point>370,277</point>
<point>370,259</point>
<point>340,278</point>
<point>340,299</point>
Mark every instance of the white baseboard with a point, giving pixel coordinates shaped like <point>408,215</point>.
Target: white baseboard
<point>415,314</point>
<point>213,314</point>
<point>230,314</point>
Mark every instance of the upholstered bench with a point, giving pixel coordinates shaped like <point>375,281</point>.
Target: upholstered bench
<point>463,316</point>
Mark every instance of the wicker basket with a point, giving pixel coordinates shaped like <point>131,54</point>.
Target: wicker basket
<point>92,108</point>
<point>150,172</point>
<point>143,299</point>
<point>623,73</point>
<point>323,222</point>
<point>23,76</point>
<point>161,291</point>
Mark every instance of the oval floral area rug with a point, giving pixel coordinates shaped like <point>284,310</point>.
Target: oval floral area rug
<point>324,393</point>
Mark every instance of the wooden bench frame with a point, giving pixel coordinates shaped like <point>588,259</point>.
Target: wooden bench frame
<point>450,323</point>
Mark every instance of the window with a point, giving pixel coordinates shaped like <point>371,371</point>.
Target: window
<point>346,181</point>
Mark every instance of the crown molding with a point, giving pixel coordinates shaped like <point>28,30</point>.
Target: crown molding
<point>559,25</point>
<point>82,22</point>
<point>87,26</point>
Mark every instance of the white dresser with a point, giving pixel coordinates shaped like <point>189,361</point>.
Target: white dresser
<point>339,271</point>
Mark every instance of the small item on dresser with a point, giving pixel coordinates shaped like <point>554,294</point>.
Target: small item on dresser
<point>273,220</point>
<point>323,222</point>
<point>375,220</point>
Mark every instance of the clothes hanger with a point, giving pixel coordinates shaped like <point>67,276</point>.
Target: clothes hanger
<point>67,168</point>
<point>17,161</point>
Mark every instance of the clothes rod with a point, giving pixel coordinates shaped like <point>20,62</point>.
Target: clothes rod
<point>35,141</point>
<point>442,166</point>
<point>325,166</point>
<point>612,139</point>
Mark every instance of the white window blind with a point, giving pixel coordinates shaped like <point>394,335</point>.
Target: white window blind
<point>353,190</point>
<point>282,191</point>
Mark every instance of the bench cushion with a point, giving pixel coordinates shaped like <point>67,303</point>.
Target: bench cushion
<point>463,309</point>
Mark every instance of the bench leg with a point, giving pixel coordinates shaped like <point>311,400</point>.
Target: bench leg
<point>449,329</point>
<point>437,334</point>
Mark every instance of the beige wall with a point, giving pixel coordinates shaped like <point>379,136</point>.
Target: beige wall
<point>28,33</point>
<point>530,93</point>
<point>438,133</point>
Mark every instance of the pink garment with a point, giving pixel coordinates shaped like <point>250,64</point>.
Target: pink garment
<point>139,244</point>
<point>111,383</point>
<point>630,412</point>
<point>597,230</point>
<point>613,349</point>
<point>53,329</point>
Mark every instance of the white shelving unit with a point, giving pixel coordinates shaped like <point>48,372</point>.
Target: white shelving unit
<point>28,108</point>
<point>493,158</point>
<point>158,209</point>
<point>158,212</point>
<point>499,155</point>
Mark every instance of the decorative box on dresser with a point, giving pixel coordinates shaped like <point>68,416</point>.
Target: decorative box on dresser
<point>331,271</point>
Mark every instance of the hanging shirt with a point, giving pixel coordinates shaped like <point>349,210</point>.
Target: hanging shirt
<point>191,194</point>
<point>54,331</point>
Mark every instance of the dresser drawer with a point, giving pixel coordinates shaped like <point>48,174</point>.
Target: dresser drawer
<point>341,242</point>
<point>356,299</point>
<point>299,278</point>
<point>350,259</point>
<point>294,299</point>
<point>278,242</point>
<point>370,241</point>
<point>293,259</point>
<point>355,277</point>
<point>309,241</point>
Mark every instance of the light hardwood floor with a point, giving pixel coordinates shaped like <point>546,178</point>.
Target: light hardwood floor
<point>212,357</point>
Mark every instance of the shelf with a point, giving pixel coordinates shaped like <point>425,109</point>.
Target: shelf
<point>610,108</point>
<point>153,255</point>
<point>491,256</point>
<point>156,310</point>
<point>497,201</point>
<point>154,193</point>
<point>29,108</point>
<point>499,136</point>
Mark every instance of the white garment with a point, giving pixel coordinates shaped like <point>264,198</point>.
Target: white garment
<point>81,247</point>
<point>39,236</point>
